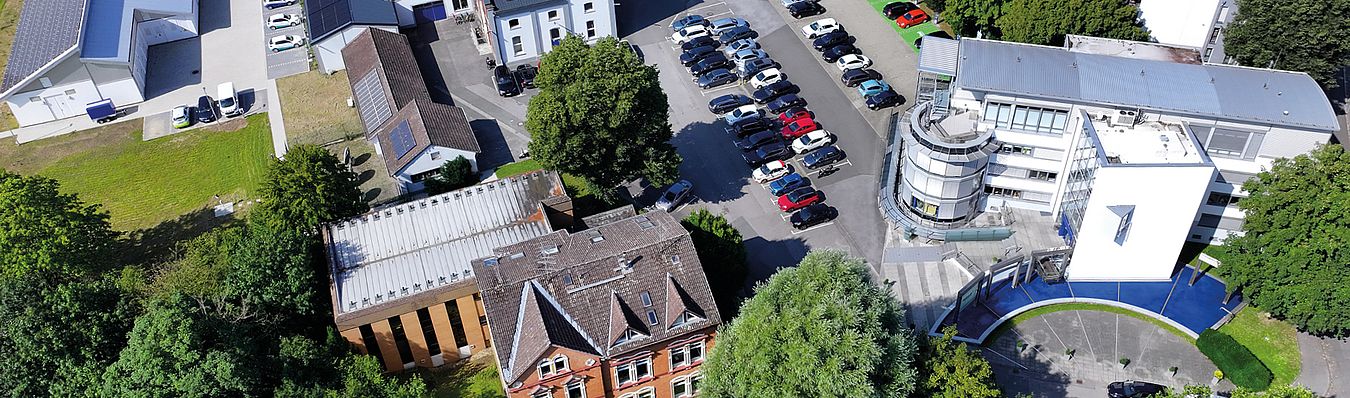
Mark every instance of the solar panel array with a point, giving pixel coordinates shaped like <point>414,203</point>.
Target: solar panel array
<point>370,101</point>
<point>402,139</point>
<point>326,16</point>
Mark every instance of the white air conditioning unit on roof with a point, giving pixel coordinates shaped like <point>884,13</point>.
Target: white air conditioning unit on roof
<point>1124,117</point>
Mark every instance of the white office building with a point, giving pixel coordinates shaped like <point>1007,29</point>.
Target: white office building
<point>1132,153</point>
<point>1198,24</point>
<point>526,29</point>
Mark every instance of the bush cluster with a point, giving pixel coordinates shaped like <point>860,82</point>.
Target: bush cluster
<point>1238,364</point>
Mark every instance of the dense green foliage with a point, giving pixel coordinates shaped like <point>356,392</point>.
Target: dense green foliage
<point>722,253</point>
<point>1290,259</point>
<point>1310,36</point>
<point>1237,363</point>
<point>176,350</point>
<point>601,115</point>
<point>454,174</point>
<point>309,187</point>
<point>57,340</point>
<point>1279,391</point>
<point>46,233</point>
<point>1044,21</point>
<point>952,371</point>
<point>821,329</point>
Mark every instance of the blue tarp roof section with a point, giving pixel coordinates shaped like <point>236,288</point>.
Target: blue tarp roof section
<point>1209,90</point>
<point>103,30</point>
<point>327,17</point>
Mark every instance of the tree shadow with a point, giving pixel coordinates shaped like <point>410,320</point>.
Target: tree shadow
<point>158,243</point>
<point>365,176</point>
<point>495,151</point>
<point>765,257</point>
<point>361,159</point>
<point>637,14</point>
<point>371,195</point>
<point>711,161</point>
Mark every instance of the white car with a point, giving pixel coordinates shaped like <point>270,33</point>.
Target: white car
<point>285,42</point>
<point>811,141</point>
<point>741,113</point>
<point>281,21</point>
<point>180,116</point>
<point>766,77</point>
<point>820,27</point>
<point>738,45</point>
<point>853,61</point>
<point>689,33</point>
<point>771,171</point>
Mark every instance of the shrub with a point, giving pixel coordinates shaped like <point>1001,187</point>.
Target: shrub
<point>1234,360</point>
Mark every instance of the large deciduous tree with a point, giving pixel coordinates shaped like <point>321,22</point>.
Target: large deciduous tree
<point>176,350</point>
<point>952,371</point>
<point>601,115</point>
<point>54,236</point>
<point>56,340</point>
<point>309,187</point>
<point>821,329</point>
<point>1291,256</point>
<point>1044,21</point>
<point>1310,36</point>
<point>722,252</point>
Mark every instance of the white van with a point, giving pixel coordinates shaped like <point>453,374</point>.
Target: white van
<point>228,101</point>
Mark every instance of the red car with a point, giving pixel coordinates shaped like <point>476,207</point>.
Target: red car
<point>911,18</point>
<point>793,114</point>
<point>798,198</point>
<point>800,126</point>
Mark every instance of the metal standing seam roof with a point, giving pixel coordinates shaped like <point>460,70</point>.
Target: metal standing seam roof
<point>938,55</point>
<point>399,251</point>
<point>47,29</point>
<point>1214,91</point>
<point>326,17</point>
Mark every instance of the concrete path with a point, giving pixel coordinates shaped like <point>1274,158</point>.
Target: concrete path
<point>1324,360</point>
<point>920,279</point>
<point>274,117</point>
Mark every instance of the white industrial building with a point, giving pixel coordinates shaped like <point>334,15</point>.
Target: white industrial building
<point>526,29</point>
<point>1198,24</point>
<point>68,54</point>
<point>1132,153</point>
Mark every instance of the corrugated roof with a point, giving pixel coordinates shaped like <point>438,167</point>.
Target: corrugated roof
<point>1215,91</point>
<point>326,17</point>
<point>47,29</point>
<point>938,55</point>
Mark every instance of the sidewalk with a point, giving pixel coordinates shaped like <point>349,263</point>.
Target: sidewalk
<point>1323,362</point>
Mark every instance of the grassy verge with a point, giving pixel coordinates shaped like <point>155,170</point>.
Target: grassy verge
<point>9,22</point>
<point>1273,342</point>
<point>376,184</point>
<point>1238,364</point>
<point>475,378</point>
<point>583,199</point>
<point>910,34</point>
<point>518,168</point>
<point>1037,312</point>
<point>314,106</point>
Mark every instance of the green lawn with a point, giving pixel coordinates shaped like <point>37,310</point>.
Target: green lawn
<point>910,34</point>
<point>475,378</point>
<point>1036,312</point>
<point>1274,342</point>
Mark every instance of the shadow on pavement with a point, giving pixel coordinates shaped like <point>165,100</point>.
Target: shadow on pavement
<point>213,15</point>
<point>711,162</point>
<point>174,65</point>
<point>634,15</point>
<point>495,151</point>
<point>771,255</point>
<point>1033,377</point>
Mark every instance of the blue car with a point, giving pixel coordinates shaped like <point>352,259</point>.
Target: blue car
<point>787,183</point>
<point>873,87</point>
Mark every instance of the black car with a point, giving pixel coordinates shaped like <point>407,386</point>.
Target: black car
<point>689,58</point>
<point>823,157</point>
<point>813,214</point>
<point>713,62</point>
<point>759,139</point>
<point>854,77</point>
<point>1132,389</point>
<point>772,91</point>
<point>737,33</point>
<point>728,102</point>
<point>838,51</point>
<point>206,111</point>
<point>896,9</point>
<point>830,40</point>
<point>884,99</point>
<point>918,43</point>
<point>525,75</point>
<point>767,153</point>
<point>699,42</point>
<point>747,127</point>
<point>784,102</point>
<point>754,66</point>
<point>803,9</point>
<point>507,85</point>
<point>718,77</point>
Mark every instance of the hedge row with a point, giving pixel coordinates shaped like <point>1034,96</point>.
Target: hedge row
<point>1237,363</point>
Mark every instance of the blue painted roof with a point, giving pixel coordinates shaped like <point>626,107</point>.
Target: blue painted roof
<point>327,17</point>
<point>102,29</point>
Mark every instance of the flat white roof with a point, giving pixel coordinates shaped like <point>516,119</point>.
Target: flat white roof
<point>107,29</point>
<point>1147,143</point>
<point>1181,22</point>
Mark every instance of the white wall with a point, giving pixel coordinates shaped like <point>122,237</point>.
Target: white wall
<point>329,50</point>
<point>52,103</point>
<point>164,30</point>
<point>424,163</point>
<point>527,30</point>
<point>534,27</point>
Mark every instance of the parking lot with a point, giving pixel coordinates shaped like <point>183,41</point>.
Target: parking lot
<point>286,62</point>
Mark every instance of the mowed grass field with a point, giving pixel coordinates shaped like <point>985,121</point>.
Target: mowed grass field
<point>9,22</point>
<point>314,106</point>
<point>1274,342</point>
<point>143,183</point>
<point>910,34</point>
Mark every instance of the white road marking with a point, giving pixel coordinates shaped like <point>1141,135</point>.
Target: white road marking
<point>713,90</point>
<point>711,16</point>
<point>709,5</point>
<point>802,231</point>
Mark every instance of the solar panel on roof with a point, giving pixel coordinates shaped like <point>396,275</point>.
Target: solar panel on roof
<point>402,139</point>
<point>370,101</point>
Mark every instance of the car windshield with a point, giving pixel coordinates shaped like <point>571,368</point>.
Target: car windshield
<point>227,102</point>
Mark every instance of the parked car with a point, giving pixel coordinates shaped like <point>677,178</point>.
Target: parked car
<point>873,87</point>
<point>787,183</point>
<point>1133,389</point>
<point>507,86</point>
<point>743,56</point>
<point>798,198</point>
<point>689,33</point>
<point>798,127</point>
<point>181,119</point>
<point>812,141</point>
<point>228,100</point>
<point>728,102</point>
<point>282,21</point>
<point>676,194</point>
<point>715,78</point>
<point>757,140</point>
<point>738,33</point>
<point>896,9</point>
<point>741,113</point>
<point>525,74</point>
<point>738,45</point>
<point>721,25</point>
<point>830,39</point>
<point>853,61</point>
<point>748,127</point>
<point>785,102</point>
<point>838,51</point>
<point>884,99</point>
<point>206,111</point>
<point>767,153</point>
<point>802,9</point>
<point>823,157</point>
<point>772,91</point>
<point>771,171</point>
<point>766,77</point>
<point>809,216</point>
<point>918,43</point>
<point>854,77</point>
<point>688,20</point>
<point>752,67</point>
<point>270,4</point>
<point>699,42</point>
<point>911,18</point>
<point>820,27</point>
<point>794,114</point>
<point>713,62</point>
<point>788,3</point>
<point>691,57</point>
<point>285,42</point>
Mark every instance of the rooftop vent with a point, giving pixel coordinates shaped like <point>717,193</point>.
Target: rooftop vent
<point>549,250</point>
<point>489,263</point>
<point>644,222</point>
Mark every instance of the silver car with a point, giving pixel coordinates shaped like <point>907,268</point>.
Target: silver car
<point>675,195</point>
<point>742,44</point>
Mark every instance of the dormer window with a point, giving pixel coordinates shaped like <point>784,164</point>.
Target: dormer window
<point>683,318</point>
<point>629,335</point>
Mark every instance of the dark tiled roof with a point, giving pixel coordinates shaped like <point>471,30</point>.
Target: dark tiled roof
<point>47,28</point>
<point>544,324</point>
<point>326,17</point>
<point>389,55</point>
<point>431,124</point>
<point>597,278</point>
<point>511,6</point>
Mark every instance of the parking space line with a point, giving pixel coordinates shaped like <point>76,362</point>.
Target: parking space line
<point>289,62</point>
<point>802,231</point>
<point>709,5</point>
<point>711,16</point>
<point>713,90</point>
<point>836,165</point>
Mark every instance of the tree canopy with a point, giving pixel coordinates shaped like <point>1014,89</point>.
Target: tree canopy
<point>821,329</point>
<point>1044,21</point>
<point>722,253</point>
<point>309,187</point>
<point>601,115</point>
<point>454,174</point>
<point>49,234</point>
<point>952,371</point>
<point>176,350</point>
<point>1310,36</point>
<point>1290,259</point>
